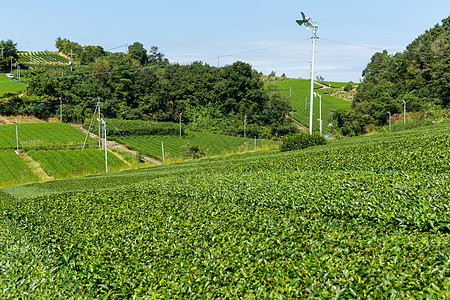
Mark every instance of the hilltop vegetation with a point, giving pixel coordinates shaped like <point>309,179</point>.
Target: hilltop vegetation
<point>419,75</point>
<point>365,217</point>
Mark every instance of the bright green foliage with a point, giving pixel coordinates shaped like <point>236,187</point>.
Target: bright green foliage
<point>68,163</point>
<point>359,218</point>
<point>42,136</point>
<point>300,89</point>
<point>13,169</point>
<point>301,140</point>
<point>211,144</point>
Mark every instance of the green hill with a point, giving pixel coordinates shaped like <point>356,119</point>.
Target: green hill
<point>10,85</point>
<point>299,90</point>
<point>365,217</point>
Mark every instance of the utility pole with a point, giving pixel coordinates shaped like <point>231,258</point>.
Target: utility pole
<point>11,64</point>
<point>71,53</point>
<point>2,51</point>
<point>162,146</point>
<point>18,71</point>
<point>106,148</point>
<point>99,104</point>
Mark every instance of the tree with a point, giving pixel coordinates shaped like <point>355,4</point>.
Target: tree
<point>138,52</point>
<point>156,57</point>
<point>8,50</point>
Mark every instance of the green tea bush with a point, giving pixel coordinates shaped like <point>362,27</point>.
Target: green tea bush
<point>192,151</point>
<point>301,140</point>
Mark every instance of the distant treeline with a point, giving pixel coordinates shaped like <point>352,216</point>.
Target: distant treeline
<point>140,86</point>
<point>420,75</point>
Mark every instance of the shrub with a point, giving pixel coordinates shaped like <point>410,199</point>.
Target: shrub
<point>192,151</point>
<point>301,140</point>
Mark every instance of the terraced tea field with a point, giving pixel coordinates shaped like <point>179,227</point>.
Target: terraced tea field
<point>10,85</point>
<point>359,218</point>
<point>211,144</point>
<point>300,89</point>
<point>42,57</point>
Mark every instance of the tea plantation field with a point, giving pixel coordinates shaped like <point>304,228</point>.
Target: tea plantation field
<point>365,218</point>
<point>299,89</point>
<point>211,144</point>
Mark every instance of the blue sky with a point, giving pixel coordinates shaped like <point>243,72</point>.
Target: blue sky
<point>262,33</point>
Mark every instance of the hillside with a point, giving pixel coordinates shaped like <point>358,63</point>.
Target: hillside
<point>363,217</point>
<point>42,57</point>
<point>299,90</point>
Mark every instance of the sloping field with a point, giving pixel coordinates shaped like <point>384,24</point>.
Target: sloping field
<point>42,57</point>
<point>211,144</point>
<point>13,170</point>
<point>300,89</point>
<point>68,163</point>
<point>42,136</point>
<point>10,85</point>
<point>359,218</point>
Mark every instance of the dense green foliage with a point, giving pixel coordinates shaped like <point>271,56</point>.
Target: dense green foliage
<point>366,217</point>
<point>301,140</point>
<point>141,85</point>
<point>68,163</point>
<point>420,75</point>
<point>9,52</point>
<point>117,127</point>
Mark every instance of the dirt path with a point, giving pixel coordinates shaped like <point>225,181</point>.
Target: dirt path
<point>114,144</point>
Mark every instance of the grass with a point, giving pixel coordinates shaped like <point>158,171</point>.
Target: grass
<point>10,85</point>
<point>300,89</point>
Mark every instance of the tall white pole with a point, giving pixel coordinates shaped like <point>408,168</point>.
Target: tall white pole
<point>311,107</point>
<point>180,124</point>
<point>245,123</point>
<point>162,146</point>
<point>106,148</point>
<point>17,138</point>
<point>60,109</point>
<point>404,112</point>
<point>320,113</point>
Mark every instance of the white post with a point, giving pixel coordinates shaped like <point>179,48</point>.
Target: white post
<point>106,148</point>
<point>162,146</point>
<point>404,112</point>
<point>320,113</point>
<point>17,138</point>
<point>180,124</point>
<point>245,124</point>
<point>312,79</point>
